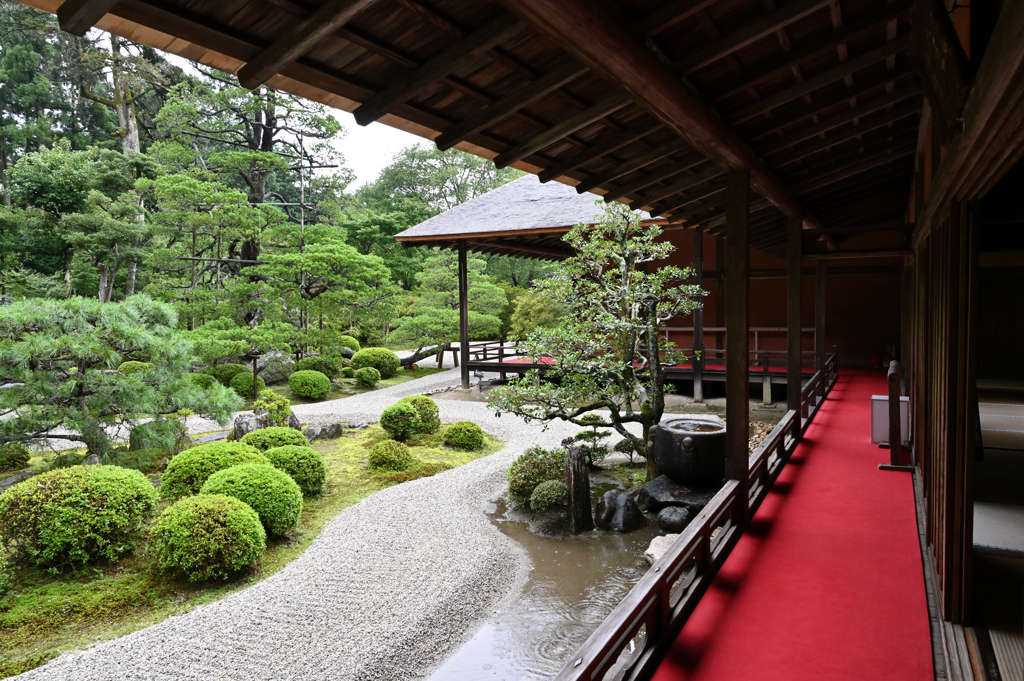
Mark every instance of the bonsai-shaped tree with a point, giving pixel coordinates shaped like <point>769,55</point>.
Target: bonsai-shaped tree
<point>606,352</point>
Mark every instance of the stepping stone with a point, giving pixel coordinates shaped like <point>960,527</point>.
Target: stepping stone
<point>213,437</point>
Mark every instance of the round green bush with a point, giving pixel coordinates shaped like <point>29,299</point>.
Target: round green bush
<point>531,468</point>
<point>242,384</point>
<point>430,420</point>
<point>367,377</point>
<point>548,494</point>
<point>204,381</point>
<point>133,367</point>
<point>390,456</point>
<point>274,496</point>
<point>328,366</point>
<point>225,372</point>
<point>71,516</point>
<point>349,342</point>
<point>312,385</point>
<point>274,436</point>
<point>14,455</point>
<point>401,421</point>
<point>305,466</point>
<point>210,536</point>
<point>464,435</point>
<point>187,472</point>
<point>349,372</point>
<point>381,359</point>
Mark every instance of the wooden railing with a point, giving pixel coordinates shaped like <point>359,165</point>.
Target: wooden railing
<point>634,638</point>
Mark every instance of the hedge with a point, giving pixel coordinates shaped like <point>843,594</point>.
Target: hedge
<point>381,359</point>
<point>304,464</point>
<point>430,419</point>
<point>390,456</point>
<point>312,385</point>
<point>328,366</point>
<point>274,436</point>
<point>274,496</point>
<point>187,472</point>
<point>242,384</point>
<point>464,435</point>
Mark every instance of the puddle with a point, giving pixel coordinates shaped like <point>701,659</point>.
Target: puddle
<point>575,583</point>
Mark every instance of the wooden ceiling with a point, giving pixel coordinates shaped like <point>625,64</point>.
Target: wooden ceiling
<point>816,97</point>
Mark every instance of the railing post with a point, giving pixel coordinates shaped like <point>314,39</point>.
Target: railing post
<point>501,359</point>
<point>895,430</point>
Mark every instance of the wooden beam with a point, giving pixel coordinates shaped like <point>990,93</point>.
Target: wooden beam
<point>819,165</point>
<point>853,132</point>
<point>737,310</point>
<point>657,174</point>
<point>523,248</point>
<point>688,182</point>
<point>886,157</point>
<point>677,203</point>
<point>635,163</point>
<point>78,16</point>
<point>941,61</point>
<point>464,314</point>
<point>887,226</point>
<point>448,60</point>
<point>669,15</point>
<point>510,103</point>
<point>794,305</point>
<point>845,255</point>
<point>299,40</point>
<point>602,147</point>
<point>698,318</point>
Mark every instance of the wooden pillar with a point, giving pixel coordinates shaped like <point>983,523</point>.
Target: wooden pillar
<point>794,302</point>
<point>464,314</point>
<point>719,291</point>
<point>819,317</point>
<point>737,353</point>
<point>698,318</point>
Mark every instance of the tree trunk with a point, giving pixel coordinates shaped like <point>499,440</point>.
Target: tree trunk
<point>424,353</point>
<point>577,480</point>
<point>129,288</point>
<point>123,104</point>
<point>104,275</point>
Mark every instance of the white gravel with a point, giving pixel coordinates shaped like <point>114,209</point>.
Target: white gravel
<point>390,586</point>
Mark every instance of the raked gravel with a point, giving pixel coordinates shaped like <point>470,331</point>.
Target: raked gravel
<point>389,587</point>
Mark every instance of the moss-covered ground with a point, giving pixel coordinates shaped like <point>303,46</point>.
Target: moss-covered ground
<point>43,615</point>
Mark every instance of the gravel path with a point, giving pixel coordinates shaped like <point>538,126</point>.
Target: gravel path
<point>389,587</point>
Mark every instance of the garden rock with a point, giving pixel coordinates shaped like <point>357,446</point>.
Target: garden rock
<point>7,483</point>
<point>674,519</point>
<point>213,437</point>
<point>327,432</point>
<point>92,460</point>
<point>659,545</point>
<point>663,492</point>
<point>275,367</point>
<point>617,512</point>
<point>246,423</point>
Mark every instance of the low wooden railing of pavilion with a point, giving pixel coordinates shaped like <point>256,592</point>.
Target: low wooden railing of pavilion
<point>634,638</point>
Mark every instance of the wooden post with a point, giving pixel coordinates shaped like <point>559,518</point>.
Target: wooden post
<point>577,480</point>
<point>895,431</point>
<point>698,318</point>
<point>819,322</point>
<point>794,303</point>
<point>463,314</point>
<point>737,341</point>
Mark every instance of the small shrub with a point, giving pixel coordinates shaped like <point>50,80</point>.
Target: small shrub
<point>187,472</point>
<point>313,385</point>
<point>204,381</point>
<point>366,377</point>
<point>167,435</point>
<point>401,421</point>
<point>349,342</point>
<point>207,537</point>
<point>133,367</point>
<point>145,460</point>
<point>531,468</point>
<point>274,496</point>
<point>14,455</point>
<point>276,436</point>
<point>64,460</point>
<point>328,366</point>
<point>305,466</point>
<point>547,494</point>
<point>349,372</point>
<point>242,384</point>
<point>75,515</point>
<point>414,472</point>
<point>277,408</point>
<point>381,359</point>
<point>464,435</point>
<point>639,479</point>
<point>430,420</point>
<point>391,456</point>
<point>225,372</point>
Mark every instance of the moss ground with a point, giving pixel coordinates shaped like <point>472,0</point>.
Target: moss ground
<point>43,615</point>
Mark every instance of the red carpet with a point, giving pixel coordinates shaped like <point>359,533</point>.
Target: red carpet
<point>827,582</point>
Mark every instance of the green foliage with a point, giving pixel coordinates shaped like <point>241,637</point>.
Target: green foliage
<point>328,366</point>
<point>430,419</point>
<point>242,384</point>
<point>133,367</point>
<point>390,455</point>
<point>367,377</point>
<point>276,498</point>
<point>639,479</point>
<point>144,460</point>
<point>592,442</point>
<point>204,381</point>
<point>305,466</point>
<point>381,359</point>
<point>14,455</point>
<point>348,342</point>
<point>167,435</point>
<point>401,421</point>
<point>187,472</point>
<point>417,470</point>
<point>276,408</point>
<point>534,311</point>
<point>349,372</point>
<point>225,372</point>
<point>265,439</point>
<point>531,468</point>
<point>312,385</point>
<point>54,179</point>
<point>75,515</point>
<point>547,494</point>
<point>464,435</point>
<point>207,537</point>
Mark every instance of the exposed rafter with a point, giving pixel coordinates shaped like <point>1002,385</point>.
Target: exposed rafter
<point>634,163</point>
<point>605,145</point>
<point>78,16</point>
<point>656,174</point>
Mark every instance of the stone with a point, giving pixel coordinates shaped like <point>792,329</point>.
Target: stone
<point>92,460</point>
<point>617,512</point>
<point>246,423</point>
<point>674,519</point>
<point>294,422</point>
<point>213,437</point>
<point>275,367</point>
<point>328,432</point>
<point>7,483</point>
<point>689,449</point>
<point>663,491</point>
<point>659,545</point>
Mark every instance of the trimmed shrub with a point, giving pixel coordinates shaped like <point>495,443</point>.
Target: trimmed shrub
<point>328,366</point>
<point>305,466</point>
<point>381,359</point>
<point>187,472</point>
<point>401,421</point>
<point>210,536</point>
<point>414,472</point>
<point>275,436</point>
<point>242,384</point>
<point>14,455</point>
<point>75,515</point>
<point>133,367</point>
<point>225,372</point>
<point>464,435</point>
<point>531,468</point>
<point>349,372</point>
<point>204,381</point>
<point>547,494</point>
<point>430,420</point>
<point>366,377</point>
<point>274,496</point>
<point>349,342</point>
<point>390,456</point>
<point>313,385</point>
